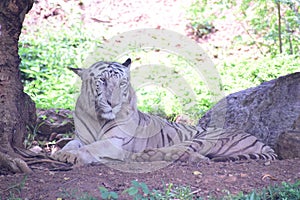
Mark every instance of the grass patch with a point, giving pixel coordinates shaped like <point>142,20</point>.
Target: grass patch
<point>45,58</point>
<point>243,74</point>
<point>286,191</point>
<point>14,190</point>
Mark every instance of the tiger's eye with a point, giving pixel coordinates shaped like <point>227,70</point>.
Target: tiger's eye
<point>122,84</point>
<point>102,80</point>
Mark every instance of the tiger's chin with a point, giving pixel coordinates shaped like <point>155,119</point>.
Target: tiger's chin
<point>108,115</point>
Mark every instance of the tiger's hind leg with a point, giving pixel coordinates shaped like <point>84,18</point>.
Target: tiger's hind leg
<point>223,145</point>
<point>179,152</point>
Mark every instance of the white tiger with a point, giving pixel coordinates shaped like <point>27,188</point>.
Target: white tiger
<point>109,126</point>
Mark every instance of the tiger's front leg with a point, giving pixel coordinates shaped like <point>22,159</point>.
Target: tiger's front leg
<point>76,157</point>
<point>180,152</point>
<point>100,151</point>
<point>74,153</point>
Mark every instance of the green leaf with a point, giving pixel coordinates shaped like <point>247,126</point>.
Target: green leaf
<point>253,196</point>
<point>104,195</point>
<point>145,188</point>
<point>132,191</point>
<point>104,192</point>
<point>135,183</point>
<point>114,195</point>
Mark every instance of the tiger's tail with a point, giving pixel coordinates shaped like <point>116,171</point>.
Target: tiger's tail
<point>267,154</point>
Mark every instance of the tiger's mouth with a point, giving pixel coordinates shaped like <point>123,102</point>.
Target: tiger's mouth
<point>110,113</point>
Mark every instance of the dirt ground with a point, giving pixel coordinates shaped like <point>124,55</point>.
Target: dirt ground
<point>205,178</point>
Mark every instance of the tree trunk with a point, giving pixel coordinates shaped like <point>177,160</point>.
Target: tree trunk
<point>16,108</point>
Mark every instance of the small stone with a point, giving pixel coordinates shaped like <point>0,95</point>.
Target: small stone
<point>267,163</point>
<point>197,173</point>
<point>36,149</point>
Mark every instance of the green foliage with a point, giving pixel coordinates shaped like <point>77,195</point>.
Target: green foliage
<point>31,135</point>
<point>174,192</point>
<point>105,194</point>
<point>140,190</point>
<point>201,16</point>
<point>15,190</point>
<point>261,18</point>
<point>243,74</point>
<point>286,191</point>
<point>179,89</point>
<point>76,195</point>
<point>45,58</point>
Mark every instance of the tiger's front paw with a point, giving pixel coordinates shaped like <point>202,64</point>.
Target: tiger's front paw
<point>77,157</point>
<point>68,157</point>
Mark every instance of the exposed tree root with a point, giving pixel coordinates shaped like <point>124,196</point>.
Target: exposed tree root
<point>15,165</point>
<point>18,165</point>
<point>36,161</point>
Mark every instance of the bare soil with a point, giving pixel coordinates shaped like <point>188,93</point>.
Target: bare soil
<point>205,178</point>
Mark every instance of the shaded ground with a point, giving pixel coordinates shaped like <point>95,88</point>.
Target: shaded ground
<point>205,179</point>
<point>215,179</point>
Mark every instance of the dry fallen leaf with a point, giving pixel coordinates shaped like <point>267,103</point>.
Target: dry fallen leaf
<point>268,176</point>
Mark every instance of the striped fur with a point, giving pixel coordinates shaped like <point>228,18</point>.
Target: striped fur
<point>109,126</point>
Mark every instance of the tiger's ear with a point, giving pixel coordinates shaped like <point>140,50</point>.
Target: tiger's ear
<point>77,71</point>
<point>127,63</point>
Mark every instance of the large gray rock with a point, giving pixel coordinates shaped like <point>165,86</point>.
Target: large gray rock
<point>288,144</point>
<point>265,111</point>
<point>53,122</point>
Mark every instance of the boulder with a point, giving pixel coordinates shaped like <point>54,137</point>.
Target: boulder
<point>53,122</point>
<point>288,144</point>
<point>266,111</point>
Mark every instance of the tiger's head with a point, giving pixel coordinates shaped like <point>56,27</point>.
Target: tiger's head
<point>106,85</point>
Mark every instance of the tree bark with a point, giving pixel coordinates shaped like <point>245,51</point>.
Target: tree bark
<point>279,26</point>
<point>16,108</point>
